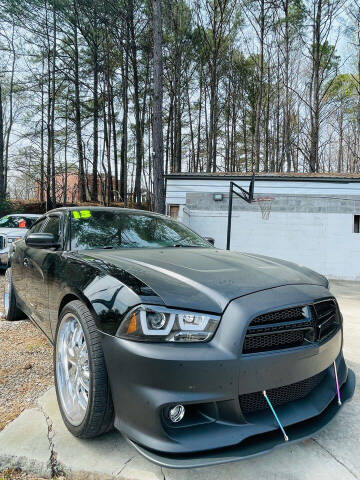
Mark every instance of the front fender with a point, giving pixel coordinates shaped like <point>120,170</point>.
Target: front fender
<point>109,292</point>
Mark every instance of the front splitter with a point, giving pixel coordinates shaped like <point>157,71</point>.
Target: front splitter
<point>256,445</point>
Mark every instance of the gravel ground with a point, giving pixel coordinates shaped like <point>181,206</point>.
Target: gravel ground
<point>25,366</point>
<point>16,474</point>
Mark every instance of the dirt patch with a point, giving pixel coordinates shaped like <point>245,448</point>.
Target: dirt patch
<point>16,474</point>
<point>25,366</point>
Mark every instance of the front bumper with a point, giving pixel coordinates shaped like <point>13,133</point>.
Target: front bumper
<point>256,445</point>
<point>208,380</point>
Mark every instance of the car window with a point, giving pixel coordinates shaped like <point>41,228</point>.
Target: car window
<point>30,221</point>
<point>16,221</point>
<point>38,226</point>
<point>113,229</point>
<point>53,226</point>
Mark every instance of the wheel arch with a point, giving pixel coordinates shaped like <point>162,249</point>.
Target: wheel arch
<point>70,297</point>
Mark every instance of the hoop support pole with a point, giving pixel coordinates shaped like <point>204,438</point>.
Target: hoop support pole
<point>229,217</point>
<point>244,195</point>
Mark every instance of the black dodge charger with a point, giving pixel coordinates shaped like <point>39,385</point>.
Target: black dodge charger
<point>197,355</point>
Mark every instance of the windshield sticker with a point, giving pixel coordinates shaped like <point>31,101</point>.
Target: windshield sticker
<point>81,214</point>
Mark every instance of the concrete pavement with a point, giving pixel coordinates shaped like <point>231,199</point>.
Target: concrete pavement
<point>38,441</point>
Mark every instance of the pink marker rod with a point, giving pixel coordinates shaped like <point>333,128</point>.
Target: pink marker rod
<point>337,384</point>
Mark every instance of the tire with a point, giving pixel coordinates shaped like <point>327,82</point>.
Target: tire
<point>11,311</point>
<point>87,372</point>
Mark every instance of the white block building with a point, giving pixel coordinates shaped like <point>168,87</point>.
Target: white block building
<point>315,218</point>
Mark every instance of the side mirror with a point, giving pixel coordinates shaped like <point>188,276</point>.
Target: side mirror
<point>210,240</point>
<point>41,240</point>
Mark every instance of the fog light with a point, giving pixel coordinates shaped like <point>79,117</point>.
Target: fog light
<point>176,414</point>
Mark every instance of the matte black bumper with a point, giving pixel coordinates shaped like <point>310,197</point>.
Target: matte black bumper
<point>208,379</point>
<point>254,446</point>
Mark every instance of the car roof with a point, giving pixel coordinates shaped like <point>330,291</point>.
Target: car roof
<point>100,208</point>
<point>24,215</point>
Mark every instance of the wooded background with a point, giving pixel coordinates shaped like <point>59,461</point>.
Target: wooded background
<point>121,91</point>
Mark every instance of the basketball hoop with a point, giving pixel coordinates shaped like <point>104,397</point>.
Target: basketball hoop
<point>265,204</point>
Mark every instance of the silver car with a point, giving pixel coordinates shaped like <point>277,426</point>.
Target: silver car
<point>12,228</point>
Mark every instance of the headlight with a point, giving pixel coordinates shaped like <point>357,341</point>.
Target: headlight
<point>158,324</point>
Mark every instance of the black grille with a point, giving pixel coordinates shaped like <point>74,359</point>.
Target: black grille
<point>2,242</point>
<point>279,316</point>
<point>254,402</point>
<point>292,327</point>
<point>281,329</point>
<point>269,342</point>
<point>327,319</point>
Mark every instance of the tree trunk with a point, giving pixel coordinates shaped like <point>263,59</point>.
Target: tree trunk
<point>192,141</point>
<point>260,87</point>
<point>159,193</point>
<point>341,136</point>
<point>177,116</point>
<point>42,152</point>
<point>124,126</point>
<point>198,146</point>
<point>78,127</point>
<point>94,189</point>
<point>315,90</point>
<point>48,115</point>
<point>138,128</point>
<point>65,151</point>
<point>11,116</point>
<point>287,148</point>
<point>53,94</point>
<point>2,184</point>
<point>107,125</point>
<point>213,104</point>
<point>113,124</point>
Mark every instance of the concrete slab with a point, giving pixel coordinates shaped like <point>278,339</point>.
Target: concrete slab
<point>29,441</point>
<point>24,443</point>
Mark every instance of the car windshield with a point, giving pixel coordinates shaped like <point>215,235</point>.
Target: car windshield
<point>111,229</point>
<point>16,221</point>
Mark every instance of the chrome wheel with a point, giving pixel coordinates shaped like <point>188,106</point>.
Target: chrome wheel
<point>72,369</point>
<point>7,288</point>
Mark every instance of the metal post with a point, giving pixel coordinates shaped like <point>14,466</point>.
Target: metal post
<point>251,188</point>
<point>229,217</point>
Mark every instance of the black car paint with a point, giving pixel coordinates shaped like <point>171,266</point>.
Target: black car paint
<point>204,280</point>
<point>94,274</point>
<point>210,375</point>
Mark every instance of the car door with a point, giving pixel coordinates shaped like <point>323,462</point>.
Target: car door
<point>19,271</point>
<point>38,263</point>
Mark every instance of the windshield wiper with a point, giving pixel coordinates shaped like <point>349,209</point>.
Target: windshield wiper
<point>179,245</point>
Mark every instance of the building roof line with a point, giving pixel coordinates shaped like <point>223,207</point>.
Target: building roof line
<point>289,177</point>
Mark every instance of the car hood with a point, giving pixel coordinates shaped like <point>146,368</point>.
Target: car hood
<point>204,279</point>
<point>13,231</point>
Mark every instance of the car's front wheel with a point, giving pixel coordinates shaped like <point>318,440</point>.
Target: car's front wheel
<point>81,380</point>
